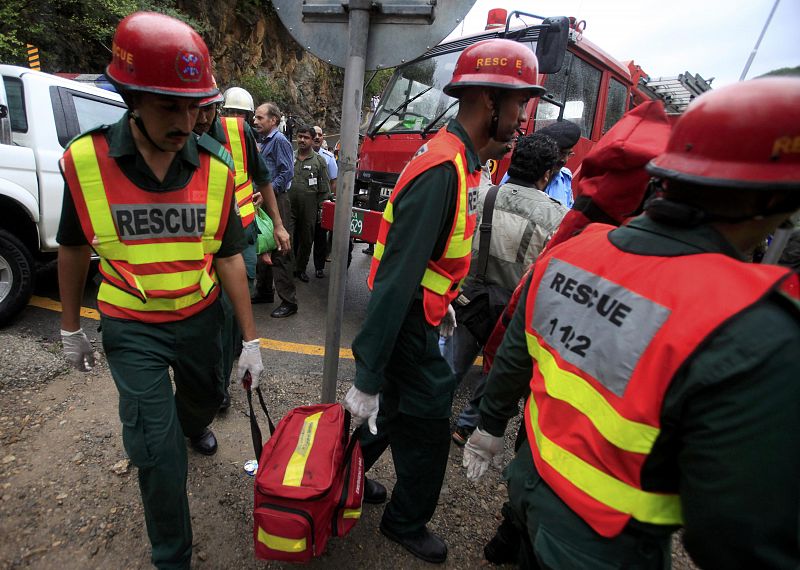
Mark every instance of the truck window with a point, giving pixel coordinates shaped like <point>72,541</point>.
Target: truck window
<point>16,104</point>
<point>616,103</point>
<point>93,113</point>
<point>576,86</point>
<point>414,96</point>
<point>414,99</point>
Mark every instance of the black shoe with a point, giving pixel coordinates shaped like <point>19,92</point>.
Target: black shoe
<point>369,250</point>
<point>426,546</point>
<point>285,309</point>
<point>461,435</point>
<point>262,299</point>
<point>226,402</point>
<point>504,546</point>
<point>204,443</point>
<point>320,274</point>
<point>374,492</point>
<point>302,276</point>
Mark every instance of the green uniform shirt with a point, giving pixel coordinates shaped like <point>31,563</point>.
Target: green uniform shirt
<point>122,148</point>
<point>256,166</point>
<point>730,422</point>
<point>311,175</point>
<point>423,216</point>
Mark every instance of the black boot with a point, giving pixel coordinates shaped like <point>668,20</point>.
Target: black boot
<point>426,546</point>
<point>374,492</point>
<point>504,546</point>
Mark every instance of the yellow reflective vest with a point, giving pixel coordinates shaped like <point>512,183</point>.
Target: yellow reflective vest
<point>236,145</point>
<point>443,277</point>
<point>156,248</point>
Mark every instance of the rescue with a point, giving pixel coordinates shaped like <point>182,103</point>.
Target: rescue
<point>786,145</point>
<point>122,54</point>
<point>614,310</point>
<point>487,61</point>
<point>159,220</point>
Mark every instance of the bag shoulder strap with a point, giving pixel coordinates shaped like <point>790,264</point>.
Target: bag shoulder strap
<point>486,231</point>
<point>255,431</point>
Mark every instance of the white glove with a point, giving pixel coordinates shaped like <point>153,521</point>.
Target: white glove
<point>482,448</point>
<point>78,350</point>
<point>363,407</point>
<point>448,324</point>
<point>250,361</point>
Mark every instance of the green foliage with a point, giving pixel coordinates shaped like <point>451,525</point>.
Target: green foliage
<point>72,35</point>
<point>791,71</point>
<point>376,84</point>
<point>264,88</point>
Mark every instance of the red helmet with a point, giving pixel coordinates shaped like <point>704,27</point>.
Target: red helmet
<point>214,99</point>
<point>155,53</point>
<point>745,135</point>
<point>504,64</point>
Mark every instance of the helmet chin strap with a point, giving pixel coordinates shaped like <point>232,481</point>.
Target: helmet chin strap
<point>140,125</point>
<point>496,100</point>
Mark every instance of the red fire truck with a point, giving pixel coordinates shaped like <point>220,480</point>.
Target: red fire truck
<point>584,84</point>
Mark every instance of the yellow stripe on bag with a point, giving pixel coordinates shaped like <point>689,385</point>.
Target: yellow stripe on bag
<point>280,543</point>
<point>297,464</point>
<point>351,514</point>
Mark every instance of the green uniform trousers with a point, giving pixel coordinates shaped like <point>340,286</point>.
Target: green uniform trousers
<point>416,402</point>
<point>305,204</point>
<point>282,263</point>
<point>231,333</point>
<point>230,338</point>
<point>155,421</point>
<point>554,537</point>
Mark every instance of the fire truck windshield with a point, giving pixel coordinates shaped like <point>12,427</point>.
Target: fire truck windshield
<point>414,101</point>
<point>414,97</point>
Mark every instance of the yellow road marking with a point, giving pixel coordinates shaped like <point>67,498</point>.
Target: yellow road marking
<point>269,344</point>
<point>50,305</point>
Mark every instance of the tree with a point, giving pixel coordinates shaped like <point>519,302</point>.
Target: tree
<point>783,71</point>
<point>72,35</point>
<point>264,88</point>
<point>375,83</point>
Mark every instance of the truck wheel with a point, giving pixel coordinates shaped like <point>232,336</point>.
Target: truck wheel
<point>17,274</point>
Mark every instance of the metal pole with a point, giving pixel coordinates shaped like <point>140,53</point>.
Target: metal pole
<point>351,108</point>
<point>758,42</point>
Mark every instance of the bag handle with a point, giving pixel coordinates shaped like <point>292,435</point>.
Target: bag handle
<point>255,431</point>
<point>348,452</point>
<point>486,232</point>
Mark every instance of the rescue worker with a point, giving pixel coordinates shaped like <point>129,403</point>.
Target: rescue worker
<point>239,103</point>
<point>310,187</point>
<point>663,367</point>
<point>322,237</point>
<point>421,258</point>
<point>159,210</point>
<point>252,187</point>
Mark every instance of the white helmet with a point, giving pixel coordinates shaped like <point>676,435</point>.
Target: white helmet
<point>238,98</point>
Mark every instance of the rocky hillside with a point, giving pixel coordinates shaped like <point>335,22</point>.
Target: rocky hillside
<point>251,48</point>
<point>248,43</point>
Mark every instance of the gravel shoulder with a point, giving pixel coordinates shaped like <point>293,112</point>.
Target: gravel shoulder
<point>69,499</point>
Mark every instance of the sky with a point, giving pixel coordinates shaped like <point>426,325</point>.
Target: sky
<point>712,38</point>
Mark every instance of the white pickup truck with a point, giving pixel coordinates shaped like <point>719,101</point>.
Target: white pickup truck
<point>39,115</point>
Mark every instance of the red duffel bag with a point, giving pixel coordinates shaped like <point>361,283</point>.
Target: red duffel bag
<point>309,484</point>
